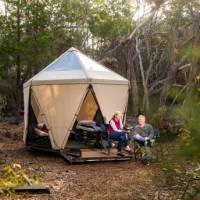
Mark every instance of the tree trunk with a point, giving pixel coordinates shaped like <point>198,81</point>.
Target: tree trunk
<point>173,67</point>
<point>18,62</point>
<point>131,75</point>
<point>145,104</point>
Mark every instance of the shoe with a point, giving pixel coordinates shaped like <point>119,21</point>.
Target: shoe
<point>112,144</point>
<point>146,162</point>
<point>127,148</point>
<point>128,151</point>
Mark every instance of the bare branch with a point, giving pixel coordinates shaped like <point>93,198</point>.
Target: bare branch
<point>156,84</point>
<point>184,66</point>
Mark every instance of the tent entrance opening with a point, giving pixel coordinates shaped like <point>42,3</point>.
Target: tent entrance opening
<point>86,129</point>
<point>37,131</point>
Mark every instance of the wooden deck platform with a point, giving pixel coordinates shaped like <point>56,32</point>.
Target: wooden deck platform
<point>87,155</point>
<point>94,155</point>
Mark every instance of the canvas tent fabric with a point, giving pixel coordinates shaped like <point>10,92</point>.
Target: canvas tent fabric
<point>111,98</point>
<point>58,93</point>
<point>26,108</point>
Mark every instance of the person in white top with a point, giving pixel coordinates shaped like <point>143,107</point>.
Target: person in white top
<point>115,132</point>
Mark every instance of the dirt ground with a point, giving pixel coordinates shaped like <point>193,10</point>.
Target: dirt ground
<point>94,181</point>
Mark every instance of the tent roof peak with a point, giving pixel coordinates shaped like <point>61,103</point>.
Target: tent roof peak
<point>72,49</point>
<point>74,65</point>
<point>72,60</point>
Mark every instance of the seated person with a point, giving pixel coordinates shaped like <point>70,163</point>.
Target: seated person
<point>41,129</point>
<point>115,132</point>
<point>143,133</point>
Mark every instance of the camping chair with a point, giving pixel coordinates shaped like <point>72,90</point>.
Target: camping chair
<point>105,142</point>
<point>138,147</point>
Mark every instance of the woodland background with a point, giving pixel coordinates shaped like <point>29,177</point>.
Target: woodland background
<point>153,43</point>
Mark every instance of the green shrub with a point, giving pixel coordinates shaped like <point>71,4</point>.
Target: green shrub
<point>14,176</point>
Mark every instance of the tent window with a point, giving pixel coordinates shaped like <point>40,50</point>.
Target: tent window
<point>67,62</point>
<point>89,108</point>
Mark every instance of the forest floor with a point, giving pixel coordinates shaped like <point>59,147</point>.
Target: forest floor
<point>125,180</point>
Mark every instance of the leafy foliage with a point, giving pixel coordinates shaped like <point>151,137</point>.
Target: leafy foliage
<point>181,165</point>
<point>33,33</point>
<point>15,176</point>
<point>112,19</point>
<point>190,136</point>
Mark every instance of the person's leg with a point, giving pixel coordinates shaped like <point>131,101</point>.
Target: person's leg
<point>125,138</point>
<point>144,143</point>
<point>117,136</point>
<point>139,138</point>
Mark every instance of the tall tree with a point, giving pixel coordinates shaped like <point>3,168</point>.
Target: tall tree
<point>33,33</point>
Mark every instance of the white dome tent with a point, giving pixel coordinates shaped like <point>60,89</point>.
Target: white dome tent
<point>57,95</point>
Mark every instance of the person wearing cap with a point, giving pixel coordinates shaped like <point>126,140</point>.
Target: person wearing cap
<point>116,133</point>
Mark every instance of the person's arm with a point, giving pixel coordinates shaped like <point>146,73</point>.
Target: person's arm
<point>112,123</point>
<point>121,124</point>
<point>151,132</point>
<point>136,131</point>
<point>137,134</point>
